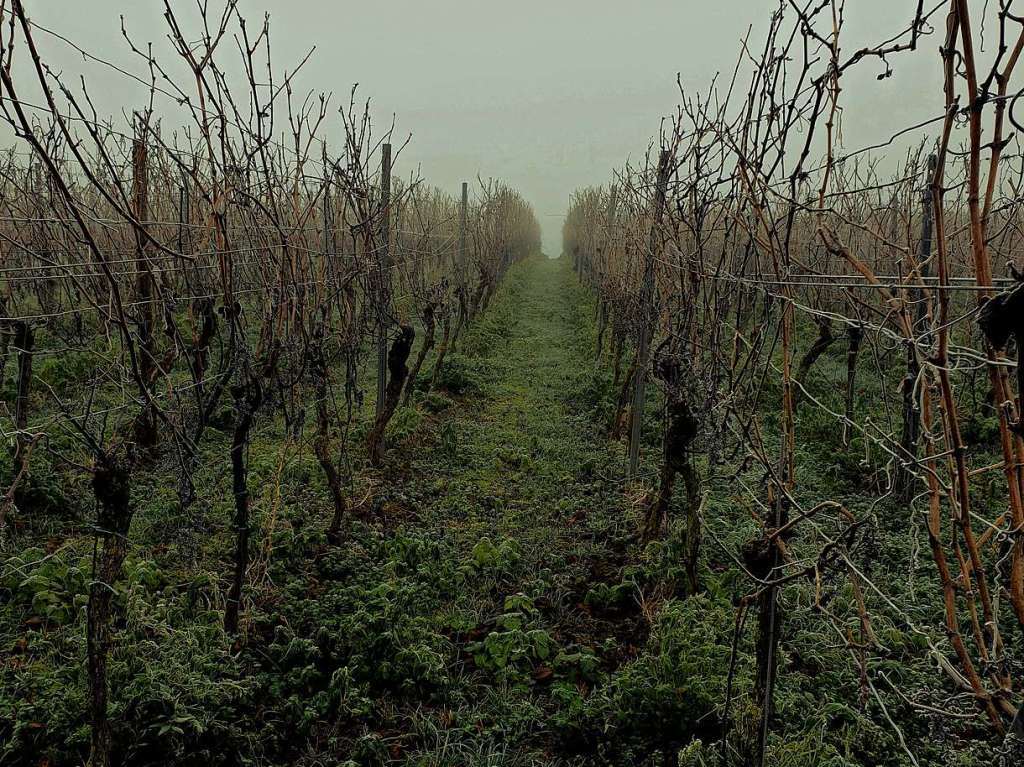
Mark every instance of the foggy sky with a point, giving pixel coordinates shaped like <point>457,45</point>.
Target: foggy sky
<point>549,95</point>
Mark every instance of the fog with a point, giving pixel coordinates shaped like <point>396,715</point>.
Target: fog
<point>548,95</point>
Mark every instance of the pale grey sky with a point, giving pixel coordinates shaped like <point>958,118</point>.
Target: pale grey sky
<point>546,94</point>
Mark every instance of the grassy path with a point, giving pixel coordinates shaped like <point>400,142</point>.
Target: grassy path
<point>505,518</point>
<point>528,449</point>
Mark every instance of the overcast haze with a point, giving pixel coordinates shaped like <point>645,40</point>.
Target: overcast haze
<point>546,95</point>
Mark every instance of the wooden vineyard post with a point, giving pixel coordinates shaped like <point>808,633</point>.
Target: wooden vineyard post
<point>855,334</point>
<point>647,296</point>
<point>911,414</point>
<point>463,212</point>
<point>448,336</point>
<point>613,204</point>
<point>384,265</point>
<point>145,427</point>
<point>328,223</point>
<point>598,273</point>
<point>182,203</point>
<point>184,216</point>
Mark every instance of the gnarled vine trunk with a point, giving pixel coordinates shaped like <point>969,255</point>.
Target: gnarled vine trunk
<point>248,399</point>
<point>681,429</point>
<point>430,325</point>
<point>322,441</point>
<point>442,350</point>
<point>111,484</point>
<point>821,345</point>
<point>619,418</point>
<point>856,336</point>
<point>398,371</point>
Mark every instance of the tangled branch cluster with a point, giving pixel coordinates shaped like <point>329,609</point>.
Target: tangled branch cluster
<point>759,258</point>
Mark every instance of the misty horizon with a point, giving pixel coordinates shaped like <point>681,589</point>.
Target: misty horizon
<point>548,99</point>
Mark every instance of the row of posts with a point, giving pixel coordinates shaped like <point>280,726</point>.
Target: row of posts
<point>647,314</point>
